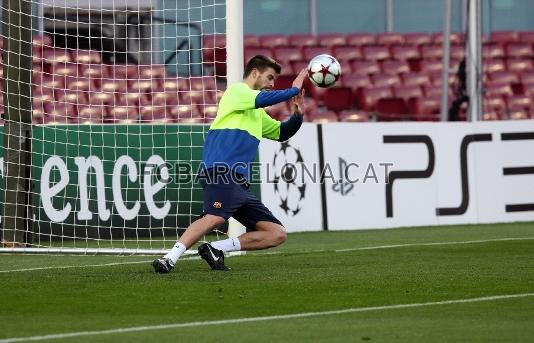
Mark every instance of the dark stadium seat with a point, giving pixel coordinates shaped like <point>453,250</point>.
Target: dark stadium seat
<point>285,55</point>
<point>347,54</point>
<point>297,66</point>
<point>251,41</point>
<point>519,65</point>
<point>389,38</point>
<point>391,109</point>
<point>417,38</point>
<point>405,52</point>
<point>365,67</point>
<point>211,43</point>
<point>301,40</point>
<point>376,52</point>
<point>395,67</point>
<point>367,97</point>
<point>338,99</point>
<point>492,51</point>
<point>385,80</point>
<point>503,37</point>
<point>360,39</point>
<point>415,79</point>
<point>273,40</point>
<point>331,39</point>
<point>519,50</point>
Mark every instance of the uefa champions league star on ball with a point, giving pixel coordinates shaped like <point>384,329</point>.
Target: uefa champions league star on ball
<point>230,147</point>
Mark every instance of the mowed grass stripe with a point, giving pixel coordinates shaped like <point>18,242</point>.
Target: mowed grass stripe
<point>260,319</point>
<point>392,246</point>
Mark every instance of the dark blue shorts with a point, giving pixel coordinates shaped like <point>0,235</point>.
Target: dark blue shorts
<point>236,200</point>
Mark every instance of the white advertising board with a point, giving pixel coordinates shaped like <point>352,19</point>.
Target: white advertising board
<point>439,173</point>
<point>287,187</point>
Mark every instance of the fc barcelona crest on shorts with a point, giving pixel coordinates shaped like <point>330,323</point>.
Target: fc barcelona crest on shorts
<point>217,204</point>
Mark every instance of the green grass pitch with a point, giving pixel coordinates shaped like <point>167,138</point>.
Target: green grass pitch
<point>300,288</point>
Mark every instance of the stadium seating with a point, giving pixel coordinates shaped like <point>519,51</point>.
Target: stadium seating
<point>402,70</point>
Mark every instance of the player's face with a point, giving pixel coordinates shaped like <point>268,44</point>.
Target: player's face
<point>265,80</point>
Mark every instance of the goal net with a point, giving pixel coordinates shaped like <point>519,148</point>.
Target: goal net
<point>105,106</point>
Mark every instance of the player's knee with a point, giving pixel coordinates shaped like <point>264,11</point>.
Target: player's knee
<point>280,236</point>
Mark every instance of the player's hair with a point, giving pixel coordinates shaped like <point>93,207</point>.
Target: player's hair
<point>261,63</point>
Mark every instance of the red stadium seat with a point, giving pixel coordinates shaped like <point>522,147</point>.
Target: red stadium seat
<point>213,45</point>
<point>311,52</point>
<point>527,77</point>
<point>65,69</point>
<point>368,97</point>
<point>155,114</point>
<point>323,117</point>
<point>432,52</point>
<point>42,41</point>
<point>391,109</point>
<point>503,37</point>
<point>192,97</point>
<point>497,90</point>
<point>492,51</point>
<point>117,86</point>
<point>347,54</point>
<point>389,38</point>
<point>417,38</point>
<point>174,84</point>
<point>143,85</point>
<point>356,81</point>
<point>526,37</point>
<point>407,92</point>
<point>519,50</point>
<point>280,110</point>
<point>183,111</point>
<point>455,38</point>
<point>203,83</point>
<point>123,113</point>
<point>496,105</point>
<point>56,55</point>
<point>395,67</point>
<point>302,40</point>
<point>273,40</point>
<point>457,52</point>
<point>92,113</point>
<point>152,71</point>
<point>86,57</point>
<point>297,66</point>
<point>365,67</point>
<point>360,39</point>
<point>285,55</point>
<point>415,79</point>
<point>519,115</point>
<point>138,98</point>
<point>385,80</point>
<point>353,116</point>
<point>521,102</point>
<point>124,71</point>
<point>330,40</point>
<point>251,41</point>
<point>72,97</point>
<point>427,105</point>
<point>251,52</point>
<point>519,65</point>
<point>431,66</point>
<point>338,98</point>
<point>494,65</point>
<point>209,111</point>
<point>405,52</point>
<point>503,77</point>
<point>376,52</point>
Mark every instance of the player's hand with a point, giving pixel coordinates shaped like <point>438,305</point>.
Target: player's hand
<point>299,80</point>
<point>297,102</point>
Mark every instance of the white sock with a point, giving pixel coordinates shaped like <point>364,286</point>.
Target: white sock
<point>226,245</point>
<point>177,250</point>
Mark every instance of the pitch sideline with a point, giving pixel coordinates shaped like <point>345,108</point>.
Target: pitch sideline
<point>260,319</point>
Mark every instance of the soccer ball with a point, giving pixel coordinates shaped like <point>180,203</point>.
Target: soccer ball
<point>324,70</point>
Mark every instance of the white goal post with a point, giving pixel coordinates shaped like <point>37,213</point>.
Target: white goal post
<point>106,105</point>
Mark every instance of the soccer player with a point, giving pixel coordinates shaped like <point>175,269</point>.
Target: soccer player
<point>230,147</point>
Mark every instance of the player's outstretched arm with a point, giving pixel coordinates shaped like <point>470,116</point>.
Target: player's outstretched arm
<point>268,98</point>
<point>289,127</point>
